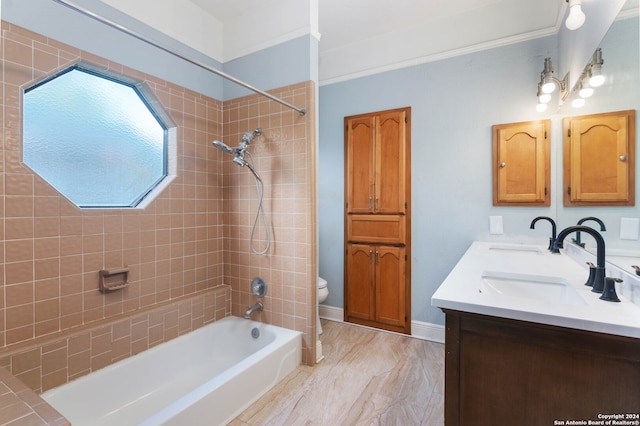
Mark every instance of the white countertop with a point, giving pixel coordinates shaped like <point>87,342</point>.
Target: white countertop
<point>462,290</point>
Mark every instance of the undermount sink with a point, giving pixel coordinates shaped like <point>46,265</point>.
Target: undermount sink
<point>515,248</point>
<point>529,286</point>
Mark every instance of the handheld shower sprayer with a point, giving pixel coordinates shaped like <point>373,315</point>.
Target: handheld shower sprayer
<point>223,147</point>
<point>239,153</point>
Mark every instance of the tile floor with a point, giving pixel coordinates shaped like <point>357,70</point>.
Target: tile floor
<point>368,377</point>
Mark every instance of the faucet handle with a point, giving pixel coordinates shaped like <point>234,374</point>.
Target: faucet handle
<point>592,274</point>
<point>609,292</point>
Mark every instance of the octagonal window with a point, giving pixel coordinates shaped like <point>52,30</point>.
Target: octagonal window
<point>99,140</point>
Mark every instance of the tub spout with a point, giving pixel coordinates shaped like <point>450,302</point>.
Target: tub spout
<point>256,307</point>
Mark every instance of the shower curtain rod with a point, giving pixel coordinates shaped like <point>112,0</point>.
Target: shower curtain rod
<point>140,37</point>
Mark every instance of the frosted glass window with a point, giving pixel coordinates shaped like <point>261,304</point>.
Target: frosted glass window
<point>94,138</point>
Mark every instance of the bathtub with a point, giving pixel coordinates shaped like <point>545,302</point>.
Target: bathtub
<point>206,377</point>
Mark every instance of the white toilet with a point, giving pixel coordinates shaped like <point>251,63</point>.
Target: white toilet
<point>323,292</point>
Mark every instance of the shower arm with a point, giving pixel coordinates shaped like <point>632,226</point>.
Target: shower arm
<point>140,37</point>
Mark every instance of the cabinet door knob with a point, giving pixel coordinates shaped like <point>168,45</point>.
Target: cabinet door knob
<point>623,158</point>
<point>503,165</point>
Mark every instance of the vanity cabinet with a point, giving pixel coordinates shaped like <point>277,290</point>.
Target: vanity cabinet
<point>378,219</point>
<point>599,151</point>
<point>376,292</point>
<point>501,372</point>
<point>521,164</point>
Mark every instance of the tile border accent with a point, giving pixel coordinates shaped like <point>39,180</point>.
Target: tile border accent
<point>45,365</point>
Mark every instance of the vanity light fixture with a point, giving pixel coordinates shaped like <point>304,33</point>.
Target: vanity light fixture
<point>576,16</point>
<point>547,85</point>
<point>596,79</point>
<point>548,81</point>
<point>585,90</point>
<point>590,75</point>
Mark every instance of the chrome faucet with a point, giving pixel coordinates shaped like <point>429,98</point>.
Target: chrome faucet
<point>553,228</point>
<point>603,228</point>
<point>258,306</point>
<point>598,281</point>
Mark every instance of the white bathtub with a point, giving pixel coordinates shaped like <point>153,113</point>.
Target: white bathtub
<point>206,377</point>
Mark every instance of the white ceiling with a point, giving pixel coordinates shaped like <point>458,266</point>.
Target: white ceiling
<point>363,37</point>
<point>343,22</point>
<point>388,34</point>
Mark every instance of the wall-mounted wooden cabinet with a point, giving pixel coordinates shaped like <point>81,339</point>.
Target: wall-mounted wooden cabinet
<point>599,153</point>
<point>521,164</point>
<point>378,220</point>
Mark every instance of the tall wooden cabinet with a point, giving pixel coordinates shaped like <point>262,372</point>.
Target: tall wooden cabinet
<point>377,220</point>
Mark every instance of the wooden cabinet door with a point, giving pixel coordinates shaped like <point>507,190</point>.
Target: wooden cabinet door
<point>390,160</point>
<point>599,159</point>
<point>521,164</point>
<point>360,165</point>
<point>361,280</point>
<point>390,285</point>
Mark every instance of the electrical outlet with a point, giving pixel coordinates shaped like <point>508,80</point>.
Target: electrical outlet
<point>495,225</point>
<point>629,227</point>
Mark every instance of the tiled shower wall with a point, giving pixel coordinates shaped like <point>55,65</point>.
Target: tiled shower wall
<point>284,157</point>
<point>51,251</point>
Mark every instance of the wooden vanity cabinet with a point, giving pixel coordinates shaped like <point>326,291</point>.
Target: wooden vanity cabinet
<point>378,220</point>
<point>505,372</point>
<point>599,159</point>
<point>521,164</point>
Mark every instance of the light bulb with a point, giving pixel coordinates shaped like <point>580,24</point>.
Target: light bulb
<point>576,16</point>
<point>544,98</point>
<point>596,79</point>
<point>541,107</point>
<point>586,92</point>
<point>548,87</point>
<point>578,103</point>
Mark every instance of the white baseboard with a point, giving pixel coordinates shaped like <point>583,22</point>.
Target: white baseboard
<point>427,331</point>
<point>419,329</point>
<point>331,313</point>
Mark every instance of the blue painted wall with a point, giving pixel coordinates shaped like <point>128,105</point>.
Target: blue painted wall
<point>288,63</point>
<point>454,104</point>
<point>273,67</point>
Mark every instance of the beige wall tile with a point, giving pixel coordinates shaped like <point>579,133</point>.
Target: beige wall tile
<point>190,240</point>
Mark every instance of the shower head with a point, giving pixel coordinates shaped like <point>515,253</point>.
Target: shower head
<point>223,147</point>
<point>247,138</point>
<point>240,150</point>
